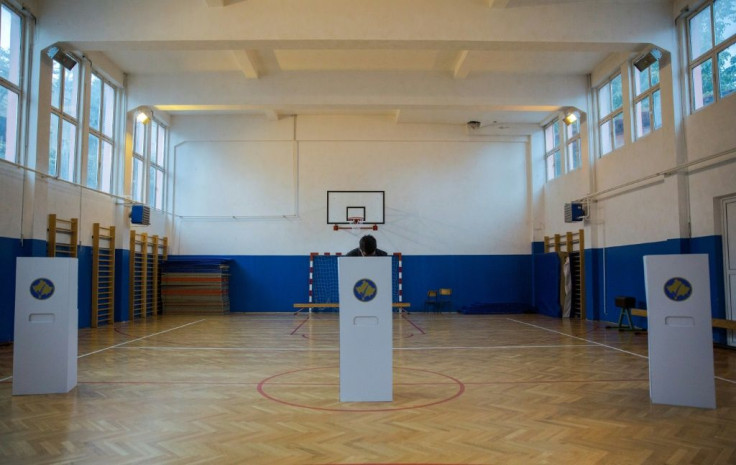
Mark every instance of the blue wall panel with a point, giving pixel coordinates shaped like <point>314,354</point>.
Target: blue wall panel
<point>547,284</point>
<point>84,294</point>
<point>270,283</point>
<point>10,249</point>
<point>713,246</point>
<point>122,274</point>
<point>275,283</point>
<point>472,278</point>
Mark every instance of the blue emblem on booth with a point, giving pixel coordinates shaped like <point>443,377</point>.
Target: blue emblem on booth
<point>42,288</point>
<point>365,290</point>
<point>678,289</point>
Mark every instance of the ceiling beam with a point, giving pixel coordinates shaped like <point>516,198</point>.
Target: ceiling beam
<point>498,3</point>
<point>271,115</point>
<point>247,61</point>
<point>461,69</point>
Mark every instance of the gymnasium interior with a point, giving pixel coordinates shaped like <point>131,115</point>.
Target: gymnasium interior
<point>207,163</point>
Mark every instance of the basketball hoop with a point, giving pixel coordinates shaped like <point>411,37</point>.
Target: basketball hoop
<point>356,224</point>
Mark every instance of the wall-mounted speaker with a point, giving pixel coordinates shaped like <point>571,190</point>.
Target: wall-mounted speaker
<point>61,57</point>
<point>140,214</point>
<point>574,211</point>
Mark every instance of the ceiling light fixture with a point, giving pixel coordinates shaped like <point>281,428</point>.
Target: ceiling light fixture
<point>570,118</point>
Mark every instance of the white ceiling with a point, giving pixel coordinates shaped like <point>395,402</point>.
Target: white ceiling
<point>282,76</point>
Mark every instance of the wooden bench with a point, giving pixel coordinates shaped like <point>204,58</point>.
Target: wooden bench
<point>402,306</point>
<point>717,322</point>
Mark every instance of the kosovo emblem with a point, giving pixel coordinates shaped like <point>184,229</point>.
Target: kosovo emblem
<point>365,290</point>
<point>678,289</point>
<point>42,288</point>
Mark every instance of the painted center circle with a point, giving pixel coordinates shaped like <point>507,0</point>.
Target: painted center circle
<point>316,390</point>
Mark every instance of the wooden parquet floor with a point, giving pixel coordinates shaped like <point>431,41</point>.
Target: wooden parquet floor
<point>263,389</point>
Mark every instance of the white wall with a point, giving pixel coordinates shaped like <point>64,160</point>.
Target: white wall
<point>709,132</point>
<point>446,192</point>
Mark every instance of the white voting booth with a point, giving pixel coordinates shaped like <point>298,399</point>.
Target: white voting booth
<point>45,342</point>
<point>679,327</point>
<point>366,331</point>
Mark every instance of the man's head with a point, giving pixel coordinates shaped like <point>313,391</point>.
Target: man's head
<point>368,245</point>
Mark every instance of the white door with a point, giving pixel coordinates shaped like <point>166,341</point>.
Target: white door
<point>728,207</point>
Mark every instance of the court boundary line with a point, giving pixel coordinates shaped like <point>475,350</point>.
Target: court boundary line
<point>298,349</point>
<point>140,338</point>
<point>126,342</point>
<point>600,344</point>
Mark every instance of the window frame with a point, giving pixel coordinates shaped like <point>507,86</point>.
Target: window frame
<point>64,117</point>
<point>648,94</point>
<point>611,117</point>
<point>102,137</point>
<point>155,184</point>
<point>711,55</point>
<point>553,154</point>
<point>18,89</point>
<point>150,186</point>
<point>570,141</point>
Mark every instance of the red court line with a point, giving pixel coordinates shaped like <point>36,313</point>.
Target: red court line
<point>300,325</point>
<point>455,381</point>
<point>413,324</point>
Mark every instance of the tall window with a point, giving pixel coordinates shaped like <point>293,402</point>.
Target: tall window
<point>101,139</point>
<point>552,157</point>
<point>11,53</point>
<point>139,160</point>
<point>65,86</point>
<point>610,109</point>
<point>712,52</point>
<point>149,162</point>
<point>156,168</point>
<point>647,100</point>
<point>574,160</point>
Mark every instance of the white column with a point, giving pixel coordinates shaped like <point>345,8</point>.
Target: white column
<point>680,330</point>
<point>366,332</point>
<point>46,322</point>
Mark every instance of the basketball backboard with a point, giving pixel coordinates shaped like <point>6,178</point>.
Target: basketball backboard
<point>342,205</point>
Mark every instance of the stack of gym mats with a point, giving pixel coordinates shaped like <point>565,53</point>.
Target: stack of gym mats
<point>196,286</point>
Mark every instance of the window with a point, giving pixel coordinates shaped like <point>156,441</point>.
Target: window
<point>647,100</point>
<point>101,139</point>
<point>712,52</point>
<point>574,160</point>
<point>156,168</point>
<point>149,162</point>
<point>65,87</point>
<point>11,54</point>
<point>552,157</point>
<point>610,109</point>
<point>139,157</point>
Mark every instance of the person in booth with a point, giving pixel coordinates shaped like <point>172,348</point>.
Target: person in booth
<point>367,248</point>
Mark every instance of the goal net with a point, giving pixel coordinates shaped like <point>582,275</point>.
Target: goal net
<point>323,287</point>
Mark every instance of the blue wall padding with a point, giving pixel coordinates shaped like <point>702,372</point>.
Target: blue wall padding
<point>713,246</point>
<point>84,294</point>
<point>593,284</point>
<point>547,284</point>
<point>472,278</point>
<point>275,283</point>
<point>537,247</point>
<point>10,249</point>
<point>122,273</point>
<point>264,283</point>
